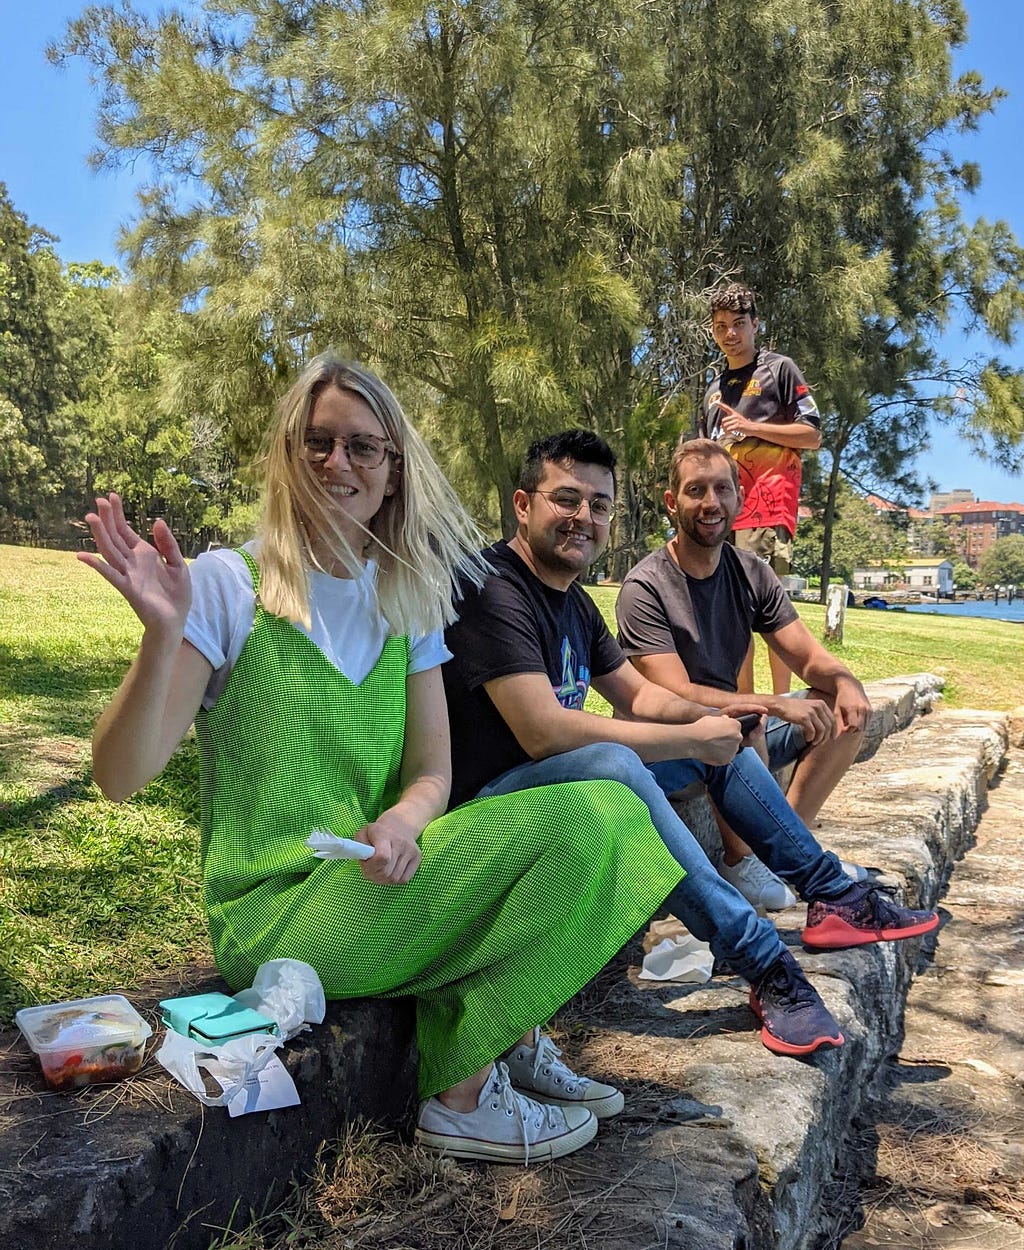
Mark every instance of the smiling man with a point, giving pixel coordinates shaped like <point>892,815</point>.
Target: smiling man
<point>686,614</point>
<point>526,649</point>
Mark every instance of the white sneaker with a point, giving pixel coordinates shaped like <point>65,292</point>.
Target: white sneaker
<point>758,884</point>
<point>540,1072</point>
<point>506,1127</point>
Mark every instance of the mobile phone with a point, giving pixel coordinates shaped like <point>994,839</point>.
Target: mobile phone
<point>748,722</point>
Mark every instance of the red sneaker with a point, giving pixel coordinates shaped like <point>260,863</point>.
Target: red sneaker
<point>794,1020</point>
<point>861,915</point>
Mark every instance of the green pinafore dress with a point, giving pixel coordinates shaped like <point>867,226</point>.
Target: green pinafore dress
<point>519,899</point>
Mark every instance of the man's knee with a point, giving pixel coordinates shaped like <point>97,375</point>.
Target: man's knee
<point>771,543</point>
<point>611,761</point>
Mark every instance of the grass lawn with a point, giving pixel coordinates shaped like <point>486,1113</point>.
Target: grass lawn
<point>95,896</point>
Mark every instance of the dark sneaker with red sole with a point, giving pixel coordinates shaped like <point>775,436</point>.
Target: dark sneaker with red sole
<point>794,1020</point>
<point>863,914</point>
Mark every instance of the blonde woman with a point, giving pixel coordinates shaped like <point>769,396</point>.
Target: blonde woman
<point>309,661</point>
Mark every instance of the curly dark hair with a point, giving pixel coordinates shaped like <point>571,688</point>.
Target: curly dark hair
<point>733,298</point>
<point>575,446</point>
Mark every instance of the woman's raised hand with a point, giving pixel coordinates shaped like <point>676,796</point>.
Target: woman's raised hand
<point>153,577</point>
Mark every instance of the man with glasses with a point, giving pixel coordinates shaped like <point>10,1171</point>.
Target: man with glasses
<point>526,649</point>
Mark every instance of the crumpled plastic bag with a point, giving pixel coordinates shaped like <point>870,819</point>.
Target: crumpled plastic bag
<point>674,954</point>
<point>234,1067</point>
<point>289,992</point>
<point>246,1070</point>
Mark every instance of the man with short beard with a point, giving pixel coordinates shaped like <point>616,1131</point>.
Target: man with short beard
<point>686,615</point>
<point>762,411</point>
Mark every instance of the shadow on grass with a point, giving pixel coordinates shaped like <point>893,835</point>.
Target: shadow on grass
<point>175,792</point>
<point>30,811</point>
<point>63,692</point>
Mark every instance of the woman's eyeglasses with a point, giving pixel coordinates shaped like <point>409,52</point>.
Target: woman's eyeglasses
<point>362,451</point>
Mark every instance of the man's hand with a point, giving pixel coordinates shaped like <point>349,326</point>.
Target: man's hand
<point>733,424</point>
<point>796,434</point>
<point>852,706</point>
<point>712,739</point>
<point>813,717</point>
<point>396,854</point>
<point>752,724</point>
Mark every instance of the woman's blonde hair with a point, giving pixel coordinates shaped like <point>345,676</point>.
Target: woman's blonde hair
<point>422,538</point>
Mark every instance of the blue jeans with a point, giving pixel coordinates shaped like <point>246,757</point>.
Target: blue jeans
<point>784,741</point>
<point>749,798</point>
<point>712,909</point>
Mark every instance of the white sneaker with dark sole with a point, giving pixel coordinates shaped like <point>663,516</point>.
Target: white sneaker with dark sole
<point>505,1127</point>
<point>538,1071</point>
<point>758,884</point>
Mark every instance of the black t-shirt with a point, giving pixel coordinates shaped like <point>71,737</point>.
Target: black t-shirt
<point>707,621</point>
<point>515,624</point>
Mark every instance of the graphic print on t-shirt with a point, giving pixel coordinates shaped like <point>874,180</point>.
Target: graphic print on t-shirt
<point>575,683</point>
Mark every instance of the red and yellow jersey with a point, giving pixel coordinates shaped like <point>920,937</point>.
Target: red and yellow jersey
<point>770,388</point>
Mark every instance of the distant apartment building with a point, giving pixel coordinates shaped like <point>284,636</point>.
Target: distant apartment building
<point>971,526</point>
<point>915,522</point>
<point>974,527</point>
<point>943,498</point>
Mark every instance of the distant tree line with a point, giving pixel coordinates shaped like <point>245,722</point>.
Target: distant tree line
<point>513,210</point>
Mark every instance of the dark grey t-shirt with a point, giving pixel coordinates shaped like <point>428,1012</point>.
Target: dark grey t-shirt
<point>706,621</point>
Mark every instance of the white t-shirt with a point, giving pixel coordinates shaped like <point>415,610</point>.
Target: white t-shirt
<point>345,618</point>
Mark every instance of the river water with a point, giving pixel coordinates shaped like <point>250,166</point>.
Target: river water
<point>1001,611</point>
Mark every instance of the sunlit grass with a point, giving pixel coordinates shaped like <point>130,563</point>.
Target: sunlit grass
<point>93,895</point>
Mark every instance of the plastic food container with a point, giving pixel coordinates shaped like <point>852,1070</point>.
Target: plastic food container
<point>85,1041</point>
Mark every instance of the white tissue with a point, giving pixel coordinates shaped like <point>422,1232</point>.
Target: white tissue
<point>327,845</point>
<point>681,958</point>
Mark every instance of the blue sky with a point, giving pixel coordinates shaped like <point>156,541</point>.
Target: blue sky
<point>46,132</point>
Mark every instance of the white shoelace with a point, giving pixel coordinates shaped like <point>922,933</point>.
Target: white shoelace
<point>547,1054</point>
<point>540,1115</point>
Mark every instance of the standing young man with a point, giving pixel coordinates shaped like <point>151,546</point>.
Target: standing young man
<point>526,649</point>
<point>761,409</point>
<point>686,615</point>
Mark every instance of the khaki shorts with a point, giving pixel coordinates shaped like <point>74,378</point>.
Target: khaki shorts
<point>773,543</point>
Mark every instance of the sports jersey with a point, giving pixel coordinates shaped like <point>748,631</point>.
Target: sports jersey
<point>768,389</point>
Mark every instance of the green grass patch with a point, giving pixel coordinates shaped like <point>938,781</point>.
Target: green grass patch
<point>93,895</point>
<point>96,896</point>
